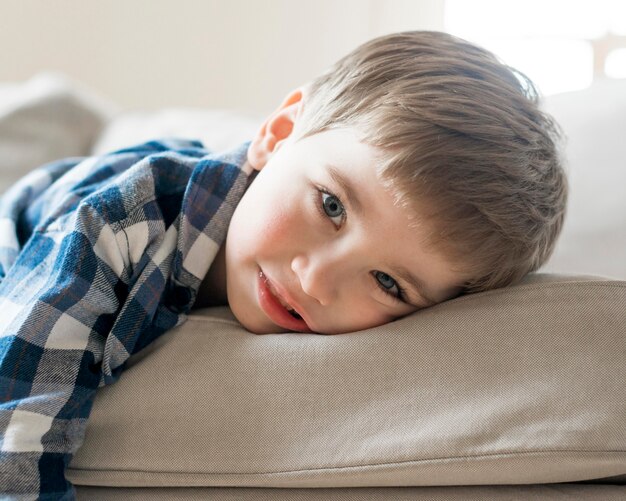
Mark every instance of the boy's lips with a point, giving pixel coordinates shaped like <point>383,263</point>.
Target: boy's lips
<point>270,294</point>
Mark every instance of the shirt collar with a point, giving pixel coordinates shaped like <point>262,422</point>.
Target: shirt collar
<point>213,191</point>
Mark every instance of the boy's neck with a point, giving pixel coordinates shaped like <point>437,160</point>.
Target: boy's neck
<point>212,291</point>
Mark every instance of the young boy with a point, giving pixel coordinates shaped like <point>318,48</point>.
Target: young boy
<point>416,169</point>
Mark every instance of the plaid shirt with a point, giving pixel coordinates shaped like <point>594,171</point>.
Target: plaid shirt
<point>98,257</point>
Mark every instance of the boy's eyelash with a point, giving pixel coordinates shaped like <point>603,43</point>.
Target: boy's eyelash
<point>401,296</point>
<point>320,204</point>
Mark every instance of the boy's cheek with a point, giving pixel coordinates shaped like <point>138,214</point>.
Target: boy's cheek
<point>276,228</point>
<point>260,230</point>
<point>278,218</point>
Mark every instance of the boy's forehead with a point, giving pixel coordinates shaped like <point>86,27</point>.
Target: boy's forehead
<point>347,186</point>
<point>359,169</point>
<point>367,188</point>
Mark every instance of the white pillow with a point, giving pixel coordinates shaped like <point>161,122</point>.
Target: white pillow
<point>44,119</point>
<point>218,130</point>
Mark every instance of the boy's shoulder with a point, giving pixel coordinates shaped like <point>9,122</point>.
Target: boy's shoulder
<point>114,183</point>
<point>161,174</point>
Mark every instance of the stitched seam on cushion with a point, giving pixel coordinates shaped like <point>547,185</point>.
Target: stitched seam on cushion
<point>201,319</point>
<point>339,468</point>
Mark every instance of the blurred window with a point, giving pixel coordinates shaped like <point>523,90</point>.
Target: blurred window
<point>562,45</point>
<point>616,64</point>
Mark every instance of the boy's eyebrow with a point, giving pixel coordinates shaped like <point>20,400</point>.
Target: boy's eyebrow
<point>415,283</point>
<point>345,186</point>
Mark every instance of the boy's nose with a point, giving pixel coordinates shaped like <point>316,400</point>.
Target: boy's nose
<point>319,278</point>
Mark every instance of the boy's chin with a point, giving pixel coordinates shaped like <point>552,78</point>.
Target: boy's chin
<point>256,327</point>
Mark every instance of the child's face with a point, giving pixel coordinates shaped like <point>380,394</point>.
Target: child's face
<point>298,233</point>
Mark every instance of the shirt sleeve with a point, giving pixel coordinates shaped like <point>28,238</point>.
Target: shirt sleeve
<point>93,267</point>
<point>59,301</point>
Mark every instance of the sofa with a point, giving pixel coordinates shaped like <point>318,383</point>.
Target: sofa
<point>514,393</point>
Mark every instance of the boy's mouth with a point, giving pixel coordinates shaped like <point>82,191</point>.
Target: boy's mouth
<point>277,308</point>
<point>284,303</point>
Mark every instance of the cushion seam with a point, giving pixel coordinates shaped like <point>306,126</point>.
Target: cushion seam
<point>338,468</point>
<point>202,319</point>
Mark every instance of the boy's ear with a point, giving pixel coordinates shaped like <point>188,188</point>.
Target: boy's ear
<point>275,129</point>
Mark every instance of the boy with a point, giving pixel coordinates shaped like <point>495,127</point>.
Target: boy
<point>416,169</point>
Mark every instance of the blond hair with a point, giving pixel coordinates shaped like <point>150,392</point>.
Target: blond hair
<point>466,147</point>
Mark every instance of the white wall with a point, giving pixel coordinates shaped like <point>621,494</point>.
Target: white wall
<point>235,54</point>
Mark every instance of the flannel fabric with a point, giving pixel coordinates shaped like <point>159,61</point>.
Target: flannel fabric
<point>98,257</point>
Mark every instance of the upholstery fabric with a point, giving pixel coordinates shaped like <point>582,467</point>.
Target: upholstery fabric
<point>520,385</point>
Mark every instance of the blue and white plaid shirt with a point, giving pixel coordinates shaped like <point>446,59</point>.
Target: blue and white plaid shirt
<point>98,257</point>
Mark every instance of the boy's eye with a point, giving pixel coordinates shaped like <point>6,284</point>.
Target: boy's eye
<point>389,285</point>
<point>333,207</point>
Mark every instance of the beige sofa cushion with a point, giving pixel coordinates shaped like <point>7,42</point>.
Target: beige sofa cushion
<point>521,385</point>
